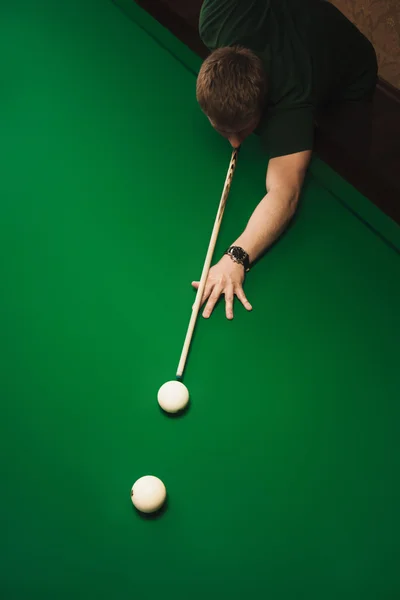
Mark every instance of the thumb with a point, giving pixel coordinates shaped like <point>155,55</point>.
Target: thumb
<point>196,284</point>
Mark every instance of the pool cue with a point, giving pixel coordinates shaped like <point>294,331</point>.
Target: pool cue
<point>207,263</point>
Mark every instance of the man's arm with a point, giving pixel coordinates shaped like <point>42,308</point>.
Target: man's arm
<point>284,181</point>
<point>285,177</point>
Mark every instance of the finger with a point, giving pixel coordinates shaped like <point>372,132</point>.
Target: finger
<point>213,299</point>
<point>206,293</point>
<point>195,284</point>
<point>229,296</point>
<point>242,297</point>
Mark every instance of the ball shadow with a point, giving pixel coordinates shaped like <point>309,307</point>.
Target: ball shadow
<point>176,415</point>
<point>152,516</point>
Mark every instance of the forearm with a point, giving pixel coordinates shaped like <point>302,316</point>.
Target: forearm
<point>268,221</point>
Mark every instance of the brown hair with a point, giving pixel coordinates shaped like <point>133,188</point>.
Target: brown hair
<point>231,87</point>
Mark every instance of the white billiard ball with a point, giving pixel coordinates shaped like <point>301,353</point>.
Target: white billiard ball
<point>173,396</point>
<point>148,494</point>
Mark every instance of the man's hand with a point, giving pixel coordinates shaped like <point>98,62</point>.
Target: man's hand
<point>226,277</point>
<point>284,181</point>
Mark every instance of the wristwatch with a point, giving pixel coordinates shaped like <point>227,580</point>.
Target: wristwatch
<point>240,256</point>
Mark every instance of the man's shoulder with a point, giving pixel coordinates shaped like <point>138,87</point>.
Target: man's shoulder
<point>212,14</point>
<point>223,22</point>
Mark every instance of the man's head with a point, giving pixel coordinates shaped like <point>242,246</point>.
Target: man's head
<point>231,90</point>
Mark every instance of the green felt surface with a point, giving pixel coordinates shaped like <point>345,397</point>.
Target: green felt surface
<point>283,475</point>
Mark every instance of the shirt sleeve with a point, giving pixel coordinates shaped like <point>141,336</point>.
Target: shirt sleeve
<point>287,130</point>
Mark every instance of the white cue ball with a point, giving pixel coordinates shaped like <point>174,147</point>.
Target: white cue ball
<point>148,494</point>
<point>173,396</point>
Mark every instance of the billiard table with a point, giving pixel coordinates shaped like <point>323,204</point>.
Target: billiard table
<point>283,474</point>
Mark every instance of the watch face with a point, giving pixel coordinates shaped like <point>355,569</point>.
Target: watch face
<point>240,256</point>
<point>238,253</point>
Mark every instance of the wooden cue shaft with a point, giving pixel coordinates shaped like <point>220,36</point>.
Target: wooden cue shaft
<point>207,263</point>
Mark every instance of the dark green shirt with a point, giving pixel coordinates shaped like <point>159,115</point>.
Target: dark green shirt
<point>312,53</point>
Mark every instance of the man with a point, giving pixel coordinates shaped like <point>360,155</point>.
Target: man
<point>275,67</point>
